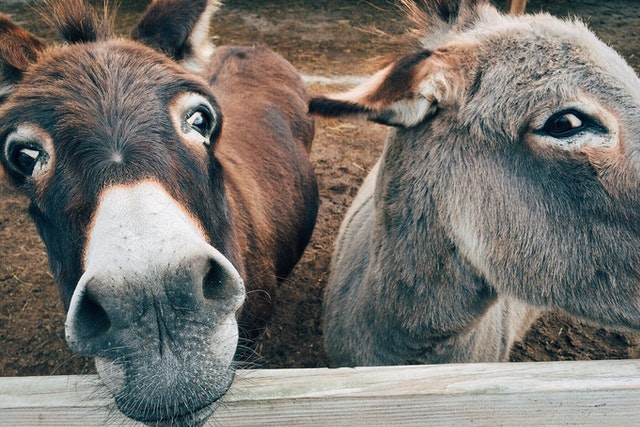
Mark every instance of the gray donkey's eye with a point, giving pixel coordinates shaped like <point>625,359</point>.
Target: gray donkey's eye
<point>568,123</point>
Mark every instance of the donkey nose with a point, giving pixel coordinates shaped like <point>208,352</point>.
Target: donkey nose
<point>108,311</point>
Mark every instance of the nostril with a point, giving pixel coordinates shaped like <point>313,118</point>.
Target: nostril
<point>91,318</point>
<point>214,283</point>
<point>221,281</point>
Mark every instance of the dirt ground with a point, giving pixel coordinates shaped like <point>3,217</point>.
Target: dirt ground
<point>323,38</point>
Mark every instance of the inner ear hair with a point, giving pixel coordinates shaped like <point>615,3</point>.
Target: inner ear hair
<point>393,86</point>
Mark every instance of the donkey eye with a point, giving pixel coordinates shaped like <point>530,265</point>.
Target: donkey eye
<point>568,123</point>
<point>195,118</point>
<point>26,159</point>
<point>201,121</point>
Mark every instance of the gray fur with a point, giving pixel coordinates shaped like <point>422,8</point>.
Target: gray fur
<point>477,219</point>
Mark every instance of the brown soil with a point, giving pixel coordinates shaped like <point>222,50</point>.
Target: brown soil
<point>320,37</point>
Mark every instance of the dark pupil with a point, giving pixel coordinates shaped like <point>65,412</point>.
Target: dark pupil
<point>26,163</point>
<point>564,125</point>
<point>199,121</point>
<point>560,125</point>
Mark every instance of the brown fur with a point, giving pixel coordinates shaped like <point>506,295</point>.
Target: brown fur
<point>18,49</point>
<point>264,225</point>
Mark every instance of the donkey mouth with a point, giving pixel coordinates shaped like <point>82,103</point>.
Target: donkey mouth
<point>186,409</point>
<point>196,418</point>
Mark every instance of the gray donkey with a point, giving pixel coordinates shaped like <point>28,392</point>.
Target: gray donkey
<point>508,185</point>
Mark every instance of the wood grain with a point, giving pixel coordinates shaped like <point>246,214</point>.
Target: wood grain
<point>540,394</point>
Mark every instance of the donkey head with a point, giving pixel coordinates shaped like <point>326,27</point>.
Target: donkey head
<point>520,136</point>
<point>114,143</point>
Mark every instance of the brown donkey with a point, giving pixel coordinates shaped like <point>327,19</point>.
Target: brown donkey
<point>168,181</point>
<point>509,184</point>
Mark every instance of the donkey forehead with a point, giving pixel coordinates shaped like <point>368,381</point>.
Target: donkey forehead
<point>114,79</point>
<point>548,43</point>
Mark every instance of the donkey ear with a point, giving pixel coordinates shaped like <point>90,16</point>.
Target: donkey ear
<point>432,21</point>
<point>179,29</point>
<point>18,50</point>
<point>403,94</point>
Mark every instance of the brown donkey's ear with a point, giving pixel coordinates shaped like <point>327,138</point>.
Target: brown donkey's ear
<point>404,93</point>
<point>179,29</point>
<point>18,50</point>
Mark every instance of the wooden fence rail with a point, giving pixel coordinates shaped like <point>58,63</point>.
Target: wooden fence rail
<point>541,394</point>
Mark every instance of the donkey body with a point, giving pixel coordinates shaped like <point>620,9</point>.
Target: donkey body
<point>508,185</point>
<point>169,182</point>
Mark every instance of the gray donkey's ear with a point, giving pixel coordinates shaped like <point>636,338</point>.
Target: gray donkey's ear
<point>434,20</point>
<point>406,92</point>
<point>179,29</point>
<point>18,50</point>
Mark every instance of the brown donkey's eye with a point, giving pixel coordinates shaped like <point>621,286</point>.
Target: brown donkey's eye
<point>26,159</point>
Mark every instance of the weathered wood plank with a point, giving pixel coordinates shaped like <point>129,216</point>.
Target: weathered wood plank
<point>553,393</point>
